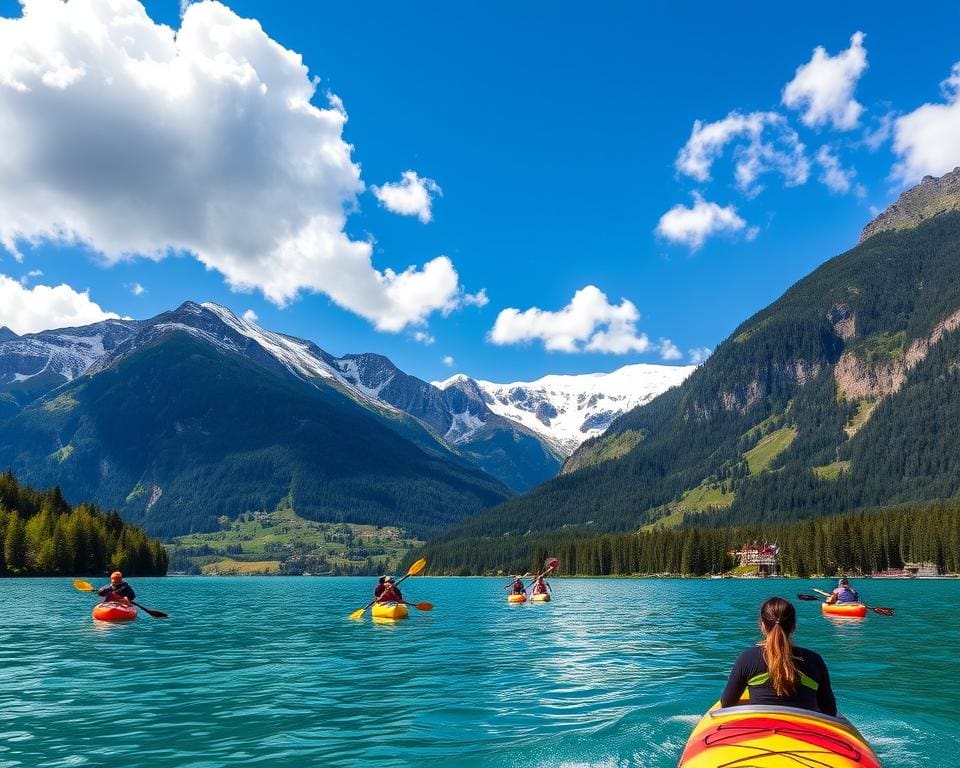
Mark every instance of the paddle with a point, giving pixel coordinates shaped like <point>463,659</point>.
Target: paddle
<point>413,570</point>
<point>550,565</point>
<point>86,586</point>
<point>515,578</point>
<point>881,611</point>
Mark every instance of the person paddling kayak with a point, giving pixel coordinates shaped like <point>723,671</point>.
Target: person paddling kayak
<point>117,591</point>
<point>777,672</point>
<point>518,587</point>
<point>390,593</point>
<point>844,593</point>
<point>378,590</point>
<point>541,587</point>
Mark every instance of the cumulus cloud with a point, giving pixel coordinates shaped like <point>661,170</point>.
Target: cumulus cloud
<point>699,354</point>
<point>823,87</point>
<point>589,323</point>
<point>423,337</point>
<point>669,350</point>
<point>927,140</point>
<point>411,196</point>
<point>250,316</point>
<point>834,176</point>
<point>138,140</point>
<point>136,289</point>
<point>692,226</point>
<point>763,142</point>
<point>30,276</point>
<point>448,361</point>
<point>42,307</point>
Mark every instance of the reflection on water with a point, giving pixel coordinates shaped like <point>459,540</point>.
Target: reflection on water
<point>270,672</point>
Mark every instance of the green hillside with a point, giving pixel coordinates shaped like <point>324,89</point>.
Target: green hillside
<point>42,535</point>
<point>842,395</point>
<point>178,434</point>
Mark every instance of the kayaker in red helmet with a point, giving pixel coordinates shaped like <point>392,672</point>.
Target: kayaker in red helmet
<point>778,672</point>
<point>540,586</point>
<point>844,593</point>
<point>390,593</point>
<point>117,590</point>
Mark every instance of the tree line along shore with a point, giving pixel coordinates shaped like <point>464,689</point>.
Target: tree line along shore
<point>42,535</point>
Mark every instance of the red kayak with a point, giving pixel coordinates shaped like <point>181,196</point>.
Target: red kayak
<point>114,611</point>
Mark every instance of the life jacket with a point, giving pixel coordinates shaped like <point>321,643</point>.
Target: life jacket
<point>764,677</point>
<point>518,588</point>
<point>390,594</point>
<point>540,588</point>
<point>846,594</point>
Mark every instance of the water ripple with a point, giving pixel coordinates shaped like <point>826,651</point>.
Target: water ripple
<point>269,672</point>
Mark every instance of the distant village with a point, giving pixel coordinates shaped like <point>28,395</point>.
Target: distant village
<point>759,561</point>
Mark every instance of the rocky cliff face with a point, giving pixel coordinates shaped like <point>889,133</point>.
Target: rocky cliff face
<point>929,198</point>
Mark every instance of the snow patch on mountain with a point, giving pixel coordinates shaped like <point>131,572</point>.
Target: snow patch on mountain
<point>567,410</point>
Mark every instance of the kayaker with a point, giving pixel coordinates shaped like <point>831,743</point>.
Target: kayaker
<point>378,590</point>
<point>777,672</point>
<point>844,593</point>
<point>117,590</point>
<point>391,592</point>
<point>540,587</point>
<point>518,587</point>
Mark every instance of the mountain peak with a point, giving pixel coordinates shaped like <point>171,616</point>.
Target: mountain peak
<point>931,197</point>
<point>6,334</point>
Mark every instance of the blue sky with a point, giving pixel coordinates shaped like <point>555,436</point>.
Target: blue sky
<point>560,135</point>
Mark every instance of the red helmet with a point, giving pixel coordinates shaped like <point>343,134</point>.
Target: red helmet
<point>116,576</point>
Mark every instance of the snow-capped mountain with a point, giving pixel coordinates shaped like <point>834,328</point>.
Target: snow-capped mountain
<point>517,432</point>
<point>33,364</point>
<point>567,410</point>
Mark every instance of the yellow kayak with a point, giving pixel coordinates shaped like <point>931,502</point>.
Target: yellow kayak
<point>516,598</point>
<point>755,736</point>
<point>390,610</point>
<point>543,597</point>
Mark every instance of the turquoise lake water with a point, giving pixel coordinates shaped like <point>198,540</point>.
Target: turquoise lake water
<point>270,672</point>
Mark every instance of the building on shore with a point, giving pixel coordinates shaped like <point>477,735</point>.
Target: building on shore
<point>764,558</point>
<point>910,571</point>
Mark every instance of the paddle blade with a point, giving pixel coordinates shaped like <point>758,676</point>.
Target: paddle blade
<point>551,564</point>
<point>418,566</point>
<point>358,614</point>
<point>423,606</point>
<point>155,614</point>
<point>83,586</point>
<point>884,611</point>
<point>808,597</point>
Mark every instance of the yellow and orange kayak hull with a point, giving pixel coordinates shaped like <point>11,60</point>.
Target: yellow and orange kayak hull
<point>390,611</point>
<point>775,737</point>
<point>541,598</point>
<point>844,610</point>
<point>516,598</point>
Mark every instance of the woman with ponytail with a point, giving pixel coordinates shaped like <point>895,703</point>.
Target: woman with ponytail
<point>775,671</point>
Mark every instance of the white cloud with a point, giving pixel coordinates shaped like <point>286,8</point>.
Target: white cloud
<point>411,196</point>
<point>250,316</point>
<point>589,323</point>
<point>763,142</point>
<point>692,226</point>
<point>699,354</point>
<point>28,310</point>
<point>478,299</point>
<point>136,289</point>
<point>927,140</point>
<point>24,279</point>
<point>423,337</point>
<point>669,350</point>
<point>448,361</point>
<point>823,87</point>
<point>138,140</point>
<point>882,129</point>
<point>834,176</point>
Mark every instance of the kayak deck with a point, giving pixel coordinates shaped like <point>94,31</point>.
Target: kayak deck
<point>390,611</point>
<point>114,612</point>
<point>775,737</point>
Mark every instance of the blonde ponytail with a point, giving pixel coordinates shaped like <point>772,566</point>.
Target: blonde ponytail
<point>779,619</point>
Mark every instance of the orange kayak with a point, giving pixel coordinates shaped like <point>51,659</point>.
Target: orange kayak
<point>543,597</point>
<point>516,598</point>
<point>847,610</point>
<point>775,737</point>
<point>114,612</point>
